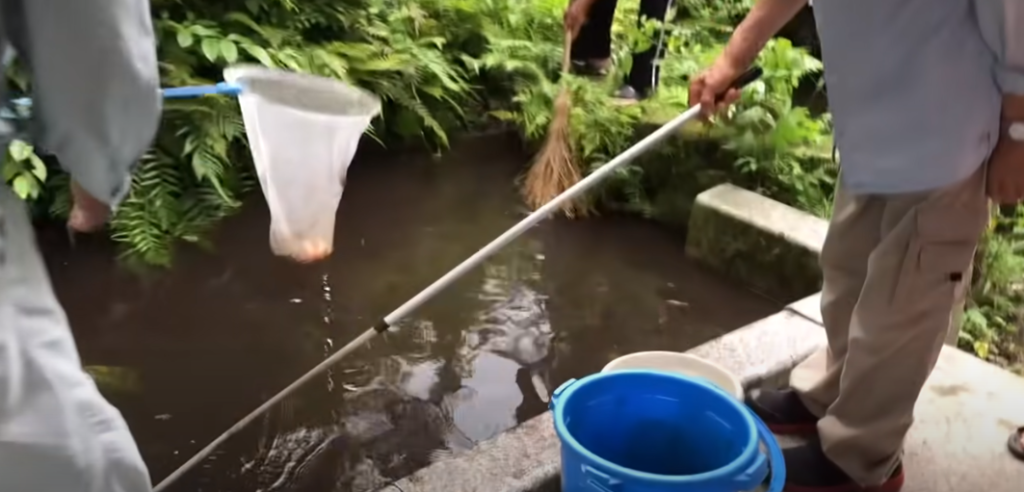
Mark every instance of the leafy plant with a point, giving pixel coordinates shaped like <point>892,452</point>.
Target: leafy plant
<point>995,308</point>
<point>23,170</point>
<point>767,142</point>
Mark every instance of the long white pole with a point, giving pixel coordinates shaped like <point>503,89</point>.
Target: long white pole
<point>442,283</point>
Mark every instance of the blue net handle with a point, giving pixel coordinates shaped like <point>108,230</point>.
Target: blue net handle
<point>223,89</point>
<point>187,92</point>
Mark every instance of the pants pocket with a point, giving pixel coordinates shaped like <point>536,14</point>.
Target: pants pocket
<point>932,272</point>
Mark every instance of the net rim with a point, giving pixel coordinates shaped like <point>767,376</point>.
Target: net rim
<point>240,74</point>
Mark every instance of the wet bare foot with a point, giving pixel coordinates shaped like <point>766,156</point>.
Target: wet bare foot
<point>87,213</point>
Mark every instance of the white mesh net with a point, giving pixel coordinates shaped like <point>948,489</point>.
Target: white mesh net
<point>303,131</point>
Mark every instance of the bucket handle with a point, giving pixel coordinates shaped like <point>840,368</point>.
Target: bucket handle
<point>776,461</point>
<point>596,479</point>
<point>599,480</point>
<point>557,394</point>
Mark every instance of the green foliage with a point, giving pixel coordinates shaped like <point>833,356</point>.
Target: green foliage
<point>765,142</point>
<point>995,309</point>
<point>23,170</point>
<point>199,166</point>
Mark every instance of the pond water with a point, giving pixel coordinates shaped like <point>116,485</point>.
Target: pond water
<point>187,352</point>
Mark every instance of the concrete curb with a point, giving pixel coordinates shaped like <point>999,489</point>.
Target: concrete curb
<point>526,459</point>
<point>761,242</point>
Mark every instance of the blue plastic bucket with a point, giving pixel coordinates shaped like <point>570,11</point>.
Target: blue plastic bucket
<point>653,431</point>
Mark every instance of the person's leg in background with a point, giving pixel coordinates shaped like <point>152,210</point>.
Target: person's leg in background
<point>644,74</point>
<point>592,48</point>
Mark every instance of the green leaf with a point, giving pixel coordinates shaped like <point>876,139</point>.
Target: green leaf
<point>115,379</point>
<point>10,170</point>
<point>259,54</point>
<point>185,38</point>
<point>25,186</point>
<point>982,349</point>
<point>229,51</point>
<point>38,167</point>
<point>211,48</point>
<point>20,150</point>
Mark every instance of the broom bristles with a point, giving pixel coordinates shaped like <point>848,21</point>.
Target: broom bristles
<point>554,170</point>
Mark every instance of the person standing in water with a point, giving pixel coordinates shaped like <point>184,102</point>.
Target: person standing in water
<point>96,107</point>
<point>590,22</point>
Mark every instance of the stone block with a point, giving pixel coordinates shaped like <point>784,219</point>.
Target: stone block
<point>765,244</point>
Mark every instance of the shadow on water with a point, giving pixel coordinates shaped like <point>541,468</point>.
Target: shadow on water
<point>187,352</point>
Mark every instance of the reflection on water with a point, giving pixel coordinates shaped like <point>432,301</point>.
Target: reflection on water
<point>186,353</point>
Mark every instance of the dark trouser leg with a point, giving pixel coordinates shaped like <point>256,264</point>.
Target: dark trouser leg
<point>643,77</point>
<point>594,41</point>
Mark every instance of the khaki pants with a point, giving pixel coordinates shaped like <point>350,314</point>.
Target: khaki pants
<point>894,267</point>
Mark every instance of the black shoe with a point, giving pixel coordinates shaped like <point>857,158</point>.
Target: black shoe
<point>809,470</point>
<point>783,412</point>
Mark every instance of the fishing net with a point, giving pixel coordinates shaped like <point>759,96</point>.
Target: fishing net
<point>303,132</point>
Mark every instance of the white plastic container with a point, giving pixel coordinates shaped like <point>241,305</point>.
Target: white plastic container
<point>303,132</point>
<point>685,364</point>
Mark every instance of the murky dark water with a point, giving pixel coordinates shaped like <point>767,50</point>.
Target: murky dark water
<point>186,353</point>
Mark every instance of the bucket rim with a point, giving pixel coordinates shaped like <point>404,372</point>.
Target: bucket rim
<point>735,380</point>
<point>238,73</point>
<point>737,467</point>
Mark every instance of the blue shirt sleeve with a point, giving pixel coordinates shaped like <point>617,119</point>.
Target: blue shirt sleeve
<point>1002,25</point>
<point>95,85</point>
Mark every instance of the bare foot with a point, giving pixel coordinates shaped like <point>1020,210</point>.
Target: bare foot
<point>87,213</point>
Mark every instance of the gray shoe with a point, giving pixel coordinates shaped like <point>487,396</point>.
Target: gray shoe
<point>628,95</point>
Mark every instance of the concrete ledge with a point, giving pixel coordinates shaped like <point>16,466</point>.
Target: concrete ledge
<point>766,244</point>
<point>526,459</point>
<point>766,348</point>
<point>963,418</point>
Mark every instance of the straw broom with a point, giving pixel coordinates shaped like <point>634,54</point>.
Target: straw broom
<point>554,169</point>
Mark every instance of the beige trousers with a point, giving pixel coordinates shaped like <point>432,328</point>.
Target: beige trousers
<point>894,268</point>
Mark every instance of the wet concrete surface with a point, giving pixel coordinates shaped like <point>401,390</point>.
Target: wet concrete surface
<point>185,353</point>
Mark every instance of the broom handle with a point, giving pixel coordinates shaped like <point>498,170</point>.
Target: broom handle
<point>456,273</point>
<point>567,52</point>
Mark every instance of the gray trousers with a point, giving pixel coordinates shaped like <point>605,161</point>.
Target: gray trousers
<point>57,433</point>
